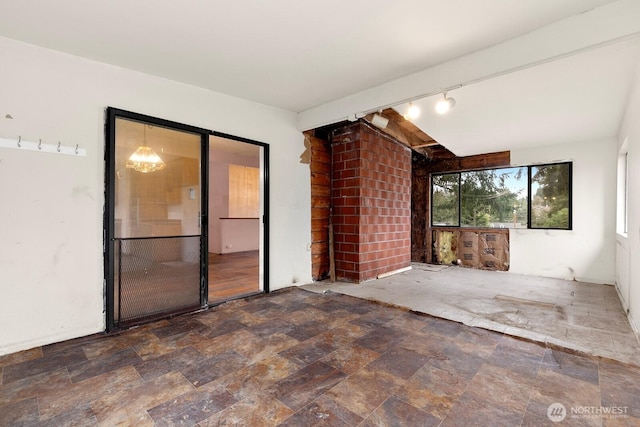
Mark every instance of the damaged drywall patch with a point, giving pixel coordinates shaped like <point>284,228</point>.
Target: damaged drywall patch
<point>305,157</point>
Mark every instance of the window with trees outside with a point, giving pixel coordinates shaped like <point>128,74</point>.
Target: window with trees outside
<point>517,197</point>
<point>445,198</point>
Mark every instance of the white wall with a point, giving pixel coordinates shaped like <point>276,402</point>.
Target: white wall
<point>51,281</point>
<point>586,253</point>
<point>219,194</point>
<point>239,235</point>
<point>628,262</point>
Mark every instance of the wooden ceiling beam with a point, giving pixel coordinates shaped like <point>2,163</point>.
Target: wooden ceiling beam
<point>401,129</point>
<point>409,134</point>
<point>428,144</point>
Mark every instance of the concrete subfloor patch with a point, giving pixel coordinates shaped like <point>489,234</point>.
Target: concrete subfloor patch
<point>579,316</point>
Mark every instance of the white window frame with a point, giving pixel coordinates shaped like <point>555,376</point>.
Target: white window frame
<point>622,205</point>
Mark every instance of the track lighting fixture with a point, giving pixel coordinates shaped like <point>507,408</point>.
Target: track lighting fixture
<point>379,121</point>
<point>412,113</point>
<point>445,104</point>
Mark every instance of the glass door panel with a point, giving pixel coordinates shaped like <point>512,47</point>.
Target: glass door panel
<point>156,230</point>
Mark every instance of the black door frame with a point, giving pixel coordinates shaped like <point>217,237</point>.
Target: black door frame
<point>109,202</point>
<point>265,215</point>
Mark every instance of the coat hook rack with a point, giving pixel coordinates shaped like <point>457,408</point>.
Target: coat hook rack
<point>21,144</point>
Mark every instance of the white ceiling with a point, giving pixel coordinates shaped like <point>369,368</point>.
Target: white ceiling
<point>578,98</point>
<point>303,55</point>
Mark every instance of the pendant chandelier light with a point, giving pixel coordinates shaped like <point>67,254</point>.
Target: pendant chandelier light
<point>144,159</point>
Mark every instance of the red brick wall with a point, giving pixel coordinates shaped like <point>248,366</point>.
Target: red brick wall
<point>371,202</point>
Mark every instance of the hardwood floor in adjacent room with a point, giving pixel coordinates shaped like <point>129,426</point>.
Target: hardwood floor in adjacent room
<point>232,275</point>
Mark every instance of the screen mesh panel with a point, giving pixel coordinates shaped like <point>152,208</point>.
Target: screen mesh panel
<point>156,277</point>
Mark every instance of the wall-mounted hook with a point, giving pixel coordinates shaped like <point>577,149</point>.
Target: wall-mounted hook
<point>41,146</point>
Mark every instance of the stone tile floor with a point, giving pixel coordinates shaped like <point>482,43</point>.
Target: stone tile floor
<point>585,317</point>
<point>297,358</point>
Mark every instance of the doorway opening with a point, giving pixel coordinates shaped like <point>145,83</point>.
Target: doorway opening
<point>237,185</point>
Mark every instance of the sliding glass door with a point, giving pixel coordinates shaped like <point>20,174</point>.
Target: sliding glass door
<point>164,181</point>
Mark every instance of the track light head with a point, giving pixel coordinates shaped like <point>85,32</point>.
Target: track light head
<point>412,113</point>
<point>379,121</point>
<point>445,104</point>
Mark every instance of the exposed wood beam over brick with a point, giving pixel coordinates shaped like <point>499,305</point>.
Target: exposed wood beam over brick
<point>410,135</point>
